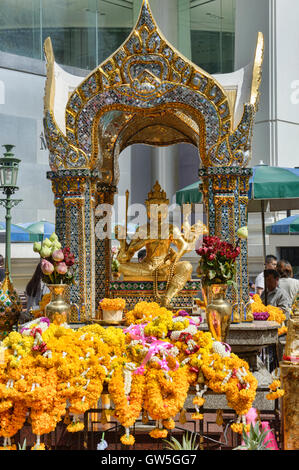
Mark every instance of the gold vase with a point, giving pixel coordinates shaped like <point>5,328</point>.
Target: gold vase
<point>218,312</point>
<point>58,310</point>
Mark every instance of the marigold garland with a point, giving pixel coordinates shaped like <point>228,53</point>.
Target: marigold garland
<point>127,408</point>
<point>164,398</point>
<point>276,390</point>
<point>150,369</point>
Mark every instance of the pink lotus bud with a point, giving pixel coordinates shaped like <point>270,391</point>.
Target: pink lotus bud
<point>61,268</point>
<point>58,255</point>
<point>47,267</point>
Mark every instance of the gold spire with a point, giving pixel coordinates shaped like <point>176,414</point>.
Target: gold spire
<point>157,195</point>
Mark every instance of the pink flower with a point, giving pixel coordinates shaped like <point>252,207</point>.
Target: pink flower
<point>47,267</point>
<point>61,268</point>
<point>58,255</point>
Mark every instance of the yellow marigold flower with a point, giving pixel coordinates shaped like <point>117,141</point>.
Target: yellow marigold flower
<point>197,415</point>
<point>275,384</point>
<point>282,331</point>
<point>40,446</point>
<point>127,440</point>
<point>75,426</point>
<point>275,395</point>
<point>198,401</point>
<point>158,433</point>
<point>169,423</point>
<point>238,428</point>
<point>113,304</point>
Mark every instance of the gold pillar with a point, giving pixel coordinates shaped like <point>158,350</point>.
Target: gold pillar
<point>104,194</point>
<point>225,191</point>
<point>290,381</point>
<point>75,228</point>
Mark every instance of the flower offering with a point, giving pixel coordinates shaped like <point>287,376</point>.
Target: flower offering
<point>57,263</point>
<point>217,261</point>
<point>51,371</point>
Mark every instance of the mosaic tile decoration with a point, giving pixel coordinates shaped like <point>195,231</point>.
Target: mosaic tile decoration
<point>226,198</point>
<point>138,291</point>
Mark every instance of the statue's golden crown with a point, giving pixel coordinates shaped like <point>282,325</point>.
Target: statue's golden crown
<point>157,195</point>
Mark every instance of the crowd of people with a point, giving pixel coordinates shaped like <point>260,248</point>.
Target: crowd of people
<point>276,284</point>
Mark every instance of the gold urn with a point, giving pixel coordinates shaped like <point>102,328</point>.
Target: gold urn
<point>218,312</point>
<point>58,310</point>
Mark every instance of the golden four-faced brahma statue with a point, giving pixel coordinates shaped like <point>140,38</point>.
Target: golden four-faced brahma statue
<point>165,245</point>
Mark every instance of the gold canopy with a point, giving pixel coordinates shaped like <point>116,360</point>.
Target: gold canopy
<point>146,92</point>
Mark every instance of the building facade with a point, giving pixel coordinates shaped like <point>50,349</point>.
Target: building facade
<point>217,35</point>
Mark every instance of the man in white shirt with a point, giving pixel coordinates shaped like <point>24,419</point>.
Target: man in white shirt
<point>276,296</point>
<point>270,263</point>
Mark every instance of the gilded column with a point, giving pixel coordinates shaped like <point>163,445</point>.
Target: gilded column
<point>75,228</point>
<point>289,368</point>
<point>104,198</point>
<point>225,192</point>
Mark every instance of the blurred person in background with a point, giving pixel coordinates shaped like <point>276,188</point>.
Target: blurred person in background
<point>276,296</point>
<point>270,263</point>
<point>287,281</point>
<point>35,290</point>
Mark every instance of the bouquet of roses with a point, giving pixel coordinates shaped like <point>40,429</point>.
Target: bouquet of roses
<point>57,263</point>
<point>217,262</point>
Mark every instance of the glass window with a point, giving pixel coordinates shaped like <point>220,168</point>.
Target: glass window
<point>20,27</point>
<point>86,32</point>
<point>83,32</point>
<point>212,31</point>
<point>115,23</point>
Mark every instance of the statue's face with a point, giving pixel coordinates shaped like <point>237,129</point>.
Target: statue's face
<point>157,212</point>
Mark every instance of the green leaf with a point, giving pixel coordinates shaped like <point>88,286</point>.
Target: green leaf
<point>212,274</point>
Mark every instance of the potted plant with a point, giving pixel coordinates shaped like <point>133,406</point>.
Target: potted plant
<point>255,439</point>
<point>189,442</point>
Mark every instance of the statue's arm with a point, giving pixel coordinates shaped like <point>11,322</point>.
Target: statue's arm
<point>178,240</point>
<point>127,250</point>
<point>135,245</point>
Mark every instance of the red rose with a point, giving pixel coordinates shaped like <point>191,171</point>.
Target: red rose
<point>69,260</point>
<point>69,257</point>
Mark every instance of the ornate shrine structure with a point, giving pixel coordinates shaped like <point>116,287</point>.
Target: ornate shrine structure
<point>146,92</point>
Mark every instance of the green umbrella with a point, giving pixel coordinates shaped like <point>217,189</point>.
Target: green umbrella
<point>270,189</point>
<point>273,189</point>
<point>277,187</point>
<point>189,195</point>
